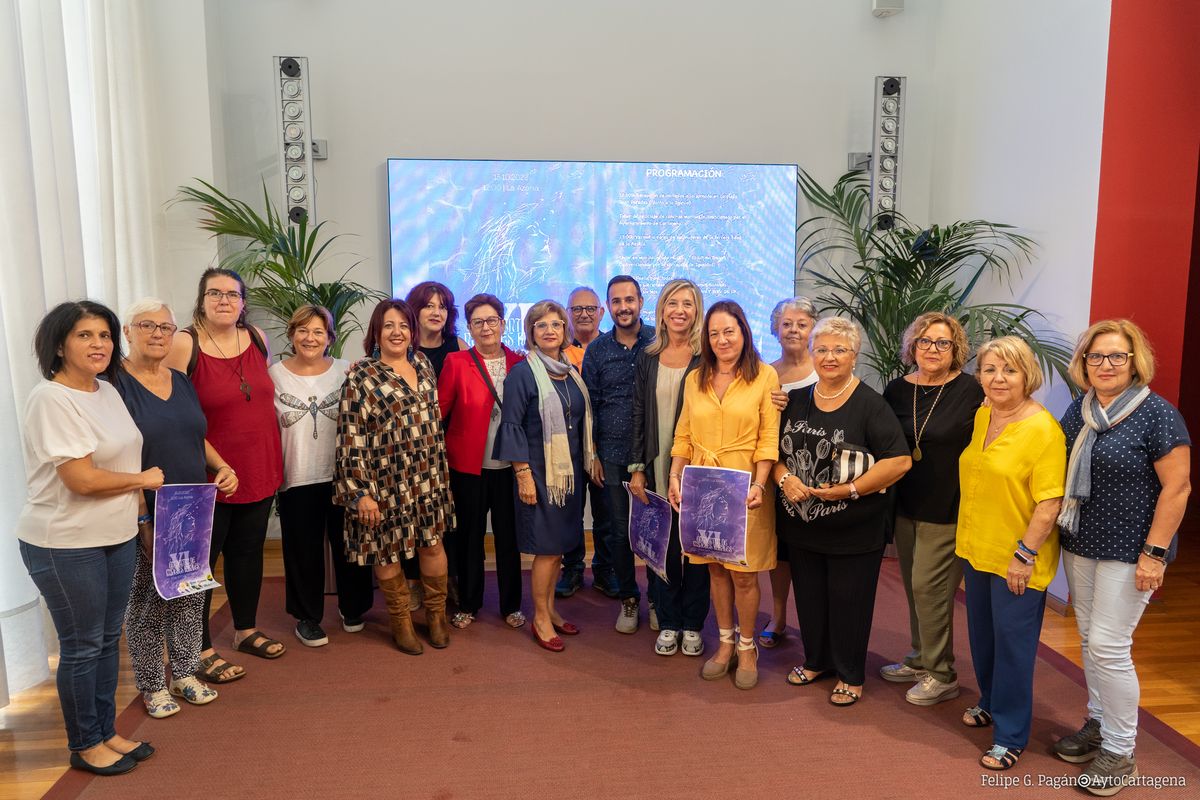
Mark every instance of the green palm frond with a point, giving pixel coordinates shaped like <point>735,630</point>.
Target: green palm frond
<point>278,259</point>
<point>883,279</point>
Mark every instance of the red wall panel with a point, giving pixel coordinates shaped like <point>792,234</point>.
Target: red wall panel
<point>1148,173</point>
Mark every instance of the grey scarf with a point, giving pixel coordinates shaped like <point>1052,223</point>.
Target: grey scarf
<point>1096,420</point>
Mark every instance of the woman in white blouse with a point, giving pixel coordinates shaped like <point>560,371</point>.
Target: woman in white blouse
<point>83,456</point>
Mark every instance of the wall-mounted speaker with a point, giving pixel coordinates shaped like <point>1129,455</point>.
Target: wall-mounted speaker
<point>887,149</point>
<point>294,135</point>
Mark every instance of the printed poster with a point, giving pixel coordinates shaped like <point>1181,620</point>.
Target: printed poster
<point>183,520</point>
<point>650,530</point>
<point>712,513</point>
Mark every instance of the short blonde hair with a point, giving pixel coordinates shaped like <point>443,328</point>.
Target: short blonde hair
<point>958,352</point>
<point>1143,353</point>
<point>674,287</point>
<point>837,326</point>
<point>1016,352</point>
<point>534,315</point>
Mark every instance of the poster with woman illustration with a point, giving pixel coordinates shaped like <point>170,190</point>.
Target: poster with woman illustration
<point>712,513</point>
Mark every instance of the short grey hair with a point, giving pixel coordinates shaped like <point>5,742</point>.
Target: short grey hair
<point>837,326</point>
<point>798,303</point>
<point>147,305</point>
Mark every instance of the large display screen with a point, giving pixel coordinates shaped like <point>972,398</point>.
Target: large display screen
<point>529,230</point>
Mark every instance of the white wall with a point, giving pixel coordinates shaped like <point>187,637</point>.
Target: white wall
<point>679,80</point>
<point>1020,112</point>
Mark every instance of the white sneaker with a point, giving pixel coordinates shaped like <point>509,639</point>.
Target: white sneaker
<point>160,704</point>
<point>901,673</point>
<point>930,691</point>
<point>667,643</point>
<point>693,643</point>
<point>627,620</point>
<point>653,618</point>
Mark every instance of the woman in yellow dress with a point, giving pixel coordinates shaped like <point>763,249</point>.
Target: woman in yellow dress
<point>728,421</point>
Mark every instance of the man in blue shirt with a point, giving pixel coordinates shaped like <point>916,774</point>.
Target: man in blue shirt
<point>608,371</point>
<point>585,314</point>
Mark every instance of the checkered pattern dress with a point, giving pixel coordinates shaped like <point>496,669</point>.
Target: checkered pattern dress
<point>390,447</point>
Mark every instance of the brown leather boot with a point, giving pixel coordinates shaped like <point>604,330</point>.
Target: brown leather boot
<point>435,609</point>
<point>395,592</point>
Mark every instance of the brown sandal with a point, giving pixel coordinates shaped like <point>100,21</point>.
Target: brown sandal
<point>262,649</point>
<point>209,671</point>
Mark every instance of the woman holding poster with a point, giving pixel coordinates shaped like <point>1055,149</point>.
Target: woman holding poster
<point>728,421</point>
<point>165,409</point>
<point>840,446</point>
<point>682,600</point>
<point>77,529</point>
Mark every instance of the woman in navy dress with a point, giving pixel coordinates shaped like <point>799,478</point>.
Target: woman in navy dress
<point>546,432</point>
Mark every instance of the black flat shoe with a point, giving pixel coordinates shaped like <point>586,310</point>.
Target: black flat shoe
<point>141,752</point>
<point>120,767</point>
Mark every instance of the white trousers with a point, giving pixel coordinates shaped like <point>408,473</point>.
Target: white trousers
<point>1107,609</point>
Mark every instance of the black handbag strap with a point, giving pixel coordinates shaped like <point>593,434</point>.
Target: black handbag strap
<point>486,377</point>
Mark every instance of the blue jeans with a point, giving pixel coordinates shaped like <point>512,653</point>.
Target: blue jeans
<point>618,529</point>
<point>86,590</point>
<point>601,562</point>
<point>1004,630</point>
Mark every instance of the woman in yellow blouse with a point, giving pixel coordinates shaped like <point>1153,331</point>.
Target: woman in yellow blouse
<point>1011,477</point>
<point>728,421</point>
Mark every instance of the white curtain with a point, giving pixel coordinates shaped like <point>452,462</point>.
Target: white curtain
<point>75,221</point>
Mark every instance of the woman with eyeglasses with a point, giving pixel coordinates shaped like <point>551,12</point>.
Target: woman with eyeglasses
<point>840,447</point>
<point>390,472</point>
<point>164,406</point>
<point>546,434</point>
<point>936,405</point>
<point>471,395</point>
<point>1128,482</point>
<point>226,359</point>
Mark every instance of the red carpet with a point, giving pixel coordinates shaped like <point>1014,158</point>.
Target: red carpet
<point>493,716</point>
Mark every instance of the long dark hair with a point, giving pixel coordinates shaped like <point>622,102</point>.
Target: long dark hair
<point>213,272</point>
<point>56,326</point>
<point>747,365</point>
<point>419,296</point>
<point>375,326</point>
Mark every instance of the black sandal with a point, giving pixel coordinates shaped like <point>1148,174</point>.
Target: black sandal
<point>979,717</point>
<point>797,677</point>
<point>844,691</point>
<point>1006,757</point>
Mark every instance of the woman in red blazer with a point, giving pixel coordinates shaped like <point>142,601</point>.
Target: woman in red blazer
<point>470,392</point>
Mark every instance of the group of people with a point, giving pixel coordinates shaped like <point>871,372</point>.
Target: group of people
<point>399,458</point>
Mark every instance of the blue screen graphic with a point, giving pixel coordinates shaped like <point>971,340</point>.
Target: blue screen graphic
<point>529,230</point>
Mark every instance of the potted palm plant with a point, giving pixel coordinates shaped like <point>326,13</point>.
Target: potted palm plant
<point>278,259</point>
<point>883,277</point>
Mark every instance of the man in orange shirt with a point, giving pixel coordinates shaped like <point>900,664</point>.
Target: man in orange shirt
<point>585,312</point>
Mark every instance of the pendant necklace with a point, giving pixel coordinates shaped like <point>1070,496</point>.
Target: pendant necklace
<point>566,398</point>
<point>917,434</point>
<point>243,387</point>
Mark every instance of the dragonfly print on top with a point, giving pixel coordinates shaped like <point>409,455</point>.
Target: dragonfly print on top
<point>327,406</point>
